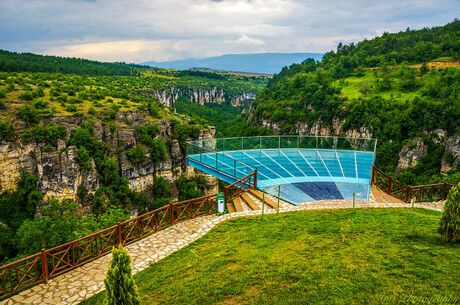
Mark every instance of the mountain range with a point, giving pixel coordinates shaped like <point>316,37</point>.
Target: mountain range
<point>265,63</point>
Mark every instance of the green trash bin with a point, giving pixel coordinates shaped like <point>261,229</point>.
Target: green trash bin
<point>220,204</point>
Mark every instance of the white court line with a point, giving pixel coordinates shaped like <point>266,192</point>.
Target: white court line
<point>295,165</point>
<point>309,164</point>
<point>356,168</point>
<point>282,167</point>
<point>340,164</point>
<point>325,165</point>
<point>260,164</point>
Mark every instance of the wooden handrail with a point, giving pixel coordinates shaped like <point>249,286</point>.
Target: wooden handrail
<point>246,180</point>
<point>57,260</point>
<point>407,192</point>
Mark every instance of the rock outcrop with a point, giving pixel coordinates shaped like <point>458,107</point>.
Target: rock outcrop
<point>411,154</point>
<point>451,157</point>
<point>200,96</point>
<point>57,167</point>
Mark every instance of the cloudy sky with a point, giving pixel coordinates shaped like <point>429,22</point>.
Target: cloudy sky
<point>142,30</point>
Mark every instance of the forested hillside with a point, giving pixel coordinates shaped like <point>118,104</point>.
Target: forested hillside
<point>401,88</point>
<point>84,144</point>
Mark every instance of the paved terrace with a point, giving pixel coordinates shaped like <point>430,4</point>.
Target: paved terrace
<point>81,283</point>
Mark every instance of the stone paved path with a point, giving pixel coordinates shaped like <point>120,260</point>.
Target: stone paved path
<point>83,282</point>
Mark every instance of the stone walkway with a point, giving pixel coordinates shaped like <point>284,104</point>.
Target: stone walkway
<point>81,283</point>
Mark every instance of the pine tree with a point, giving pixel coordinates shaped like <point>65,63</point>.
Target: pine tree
<point>119,283</point>
<point>450,221</point>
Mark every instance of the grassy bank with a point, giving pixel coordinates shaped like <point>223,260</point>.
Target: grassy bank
<point>377,256</point>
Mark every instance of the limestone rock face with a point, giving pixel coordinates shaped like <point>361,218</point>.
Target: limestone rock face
<point>451,157</point>
<point>411,154</point>
<point>57,167</point>
<point>200,96</point>
<point>321,129</point>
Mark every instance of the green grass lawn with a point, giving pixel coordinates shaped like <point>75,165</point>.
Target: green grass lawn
<point>374,256</point>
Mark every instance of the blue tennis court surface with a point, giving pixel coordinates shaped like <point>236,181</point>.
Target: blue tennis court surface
<point>298,175</point>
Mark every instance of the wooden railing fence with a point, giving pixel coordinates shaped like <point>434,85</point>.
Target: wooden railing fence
<point>40,267</point>
<point>241,185</point>
<point>420,193</point>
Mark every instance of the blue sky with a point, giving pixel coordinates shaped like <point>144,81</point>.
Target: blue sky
<point>142,30</point>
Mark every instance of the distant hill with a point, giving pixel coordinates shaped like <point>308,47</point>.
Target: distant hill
<point>17,62</point>
<point>265,63</point>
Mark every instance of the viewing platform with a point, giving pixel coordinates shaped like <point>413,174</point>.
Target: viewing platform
<point>297,168</point>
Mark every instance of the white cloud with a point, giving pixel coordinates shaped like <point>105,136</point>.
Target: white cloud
<point>142,30</point>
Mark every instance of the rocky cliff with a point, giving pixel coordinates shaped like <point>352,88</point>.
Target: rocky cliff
<point>200,96</point>
<point>57,167</point>
<point>409,155</point>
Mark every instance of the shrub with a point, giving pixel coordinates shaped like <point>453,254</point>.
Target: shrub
<point>158,152</point>
<point>188,188</point>
<point>146,133</point>
<point>27,95</point>
<point>450,220</point>
<point>40,103</point>
<point>84,158</point>
<point>108,170</point>
<point>28,114</point>
<point>48,135</point>
<point>57,224</point>
<point>119,283</point>
<point>136,156</point>
<point>2,105</point>
<point>6,131</point>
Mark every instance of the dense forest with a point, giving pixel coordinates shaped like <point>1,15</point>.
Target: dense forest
<point>399,86</point>
<point>17,62</point>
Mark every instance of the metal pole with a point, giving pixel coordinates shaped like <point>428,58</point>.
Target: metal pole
<point>279,142</point>
<point>263,203</point>
<point>354,199</point>
<point>260,142</point>
<point>279,191</point>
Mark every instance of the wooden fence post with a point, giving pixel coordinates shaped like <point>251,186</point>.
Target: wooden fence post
<point>44,265</point>
<point>120,240</point>
<point>408,194</point>
<point>171,212</point>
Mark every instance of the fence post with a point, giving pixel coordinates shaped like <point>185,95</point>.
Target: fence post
<point>120,240</point>
<point>255,178</point>
<point>44,265</point>
<point>171,212</point>
<point>408,194</point>
<point>390,184</point>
